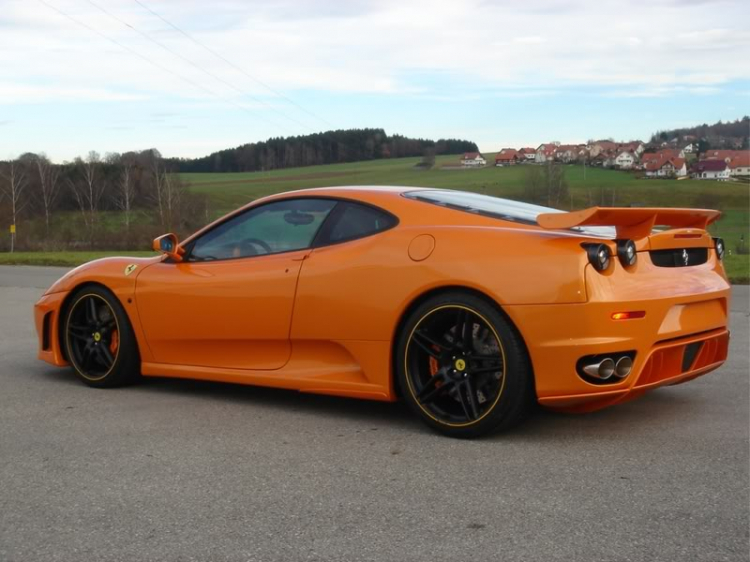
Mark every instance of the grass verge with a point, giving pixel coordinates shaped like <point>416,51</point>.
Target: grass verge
<point>64,259</point>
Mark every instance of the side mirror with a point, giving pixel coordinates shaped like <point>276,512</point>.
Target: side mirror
<point>167,244</point>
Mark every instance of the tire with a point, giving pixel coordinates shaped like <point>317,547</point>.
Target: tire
<point>99,340</point>
<point>456,345</point>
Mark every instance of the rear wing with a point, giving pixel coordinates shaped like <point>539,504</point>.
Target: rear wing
<point>630,222</point>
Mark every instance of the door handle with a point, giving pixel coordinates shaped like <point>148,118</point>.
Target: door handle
<point>303,257</point>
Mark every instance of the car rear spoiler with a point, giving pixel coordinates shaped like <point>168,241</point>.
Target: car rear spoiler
<point>630,222</point>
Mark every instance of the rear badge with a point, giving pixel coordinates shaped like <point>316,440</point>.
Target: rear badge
<point>130,269</point>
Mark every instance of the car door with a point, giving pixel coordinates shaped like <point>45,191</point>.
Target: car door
<point>340,293</point>
<point>229,303</point>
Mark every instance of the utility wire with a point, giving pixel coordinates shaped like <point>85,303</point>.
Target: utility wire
<point>191,63</point>
<point>157,65</point>
<point>230,63</point>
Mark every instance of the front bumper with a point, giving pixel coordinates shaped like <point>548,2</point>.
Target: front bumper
<point>46,320</point>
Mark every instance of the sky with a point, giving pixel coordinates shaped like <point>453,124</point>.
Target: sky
<point>191,77</point>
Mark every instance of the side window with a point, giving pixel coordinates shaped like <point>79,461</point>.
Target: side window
<point>281,226</point>
<point>353,220</point>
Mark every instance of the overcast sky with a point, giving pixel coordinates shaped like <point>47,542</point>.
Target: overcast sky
<point>110,75</point>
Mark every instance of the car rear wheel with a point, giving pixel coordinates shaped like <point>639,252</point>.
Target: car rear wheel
<point>99,339</point>
<point>462,366</point>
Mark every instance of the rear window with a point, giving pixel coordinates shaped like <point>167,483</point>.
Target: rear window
<point>495,207</point>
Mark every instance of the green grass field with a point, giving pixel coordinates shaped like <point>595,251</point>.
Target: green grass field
<point>227,191</point>
<point>66,259</point>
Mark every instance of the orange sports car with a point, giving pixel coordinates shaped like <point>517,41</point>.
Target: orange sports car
<point>468,307</point>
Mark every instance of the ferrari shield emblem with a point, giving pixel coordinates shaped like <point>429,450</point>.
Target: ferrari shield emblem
<point>130,269</point>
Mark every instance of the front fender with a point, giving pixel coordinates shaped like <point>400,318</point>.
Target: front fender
<point>118,274</point>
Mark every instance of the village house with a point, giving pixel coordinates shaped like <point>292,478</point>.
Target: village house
<point>603,160</point>
<point>665,168</point>
<point>506,157</point>
<point>545,152</point>
<point>740,165</point>
<point>626,160</point>
<point>725,155</point>
<point>473,160</point>
<point>691,148</point>
<point>529,154</point>
<point>596,148</point>
<point>710,170</point>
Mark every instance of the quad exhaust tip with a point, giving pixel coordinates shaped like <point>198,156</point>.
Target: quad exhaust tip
<point>607,368</point>
<point>602,370</point>
<point>623,367</point>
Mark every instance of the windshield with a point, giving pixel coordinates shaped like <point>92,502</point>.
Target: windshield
<point>496,207</point>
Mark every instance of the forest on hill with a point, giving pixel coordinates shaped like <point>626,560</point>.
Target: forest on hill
<point>730,134</point>
<point>331,147</point>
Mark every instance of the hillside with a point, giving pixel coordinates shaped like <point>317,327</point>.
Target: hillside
<point>330,147</point>
<point>732,134</point>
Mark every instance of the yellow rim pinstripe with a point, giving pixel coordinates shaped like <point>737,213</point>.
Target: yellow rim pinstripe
<point>408,377</point>
<point>71,355</point>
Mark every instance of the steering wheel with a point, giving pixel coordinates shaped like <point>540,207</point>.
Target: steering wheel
<point>257,242</point>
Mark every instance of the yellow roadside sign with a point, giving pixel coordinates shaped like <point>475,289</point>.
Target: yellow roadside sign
<point>12,228</point>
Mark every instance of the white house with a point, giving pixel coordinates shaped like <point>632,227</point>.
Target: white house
<point>740,165</point>
<point>710,170</point>
<point>473,160</point>
<point>625,160</point>
<point>666,168</point>
<point>689,149</point>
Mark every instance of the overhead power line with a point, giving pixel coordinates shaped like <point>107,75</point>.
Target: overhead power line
<point>194,65</point>
<point>233,65</point>
<point>159,66</point>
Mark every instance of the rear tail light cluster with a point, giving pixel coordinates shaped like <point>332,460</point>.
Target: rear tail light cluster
<point>599,255</point>
<point>719,247</point>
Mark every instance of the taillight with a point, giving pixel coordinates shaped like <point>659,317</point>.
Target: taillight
<point>626,252</point>
<point>719,246</point>
<point>598,255</point>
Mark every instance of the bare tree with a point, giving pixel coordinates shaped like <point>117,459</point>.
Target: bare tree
<point>157,183</point>
<point>13,187</point>
<point>88,189</point>
<point>172,200</point>
<point>125,191</point>
<point>48,185</point>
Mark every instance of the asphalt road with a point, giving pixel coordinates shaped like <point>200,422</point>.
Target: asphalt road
<point>177,470</point>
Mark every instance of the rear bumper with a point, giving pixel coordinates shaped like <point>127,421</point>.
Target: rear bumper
<point>677,316</point>
<point>665,365</point>
<point>46,320</point>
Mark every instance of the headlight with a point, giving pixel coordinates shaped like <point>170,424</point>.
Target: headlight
<point>598,256</point>
<point>720,249</point>
<point>626,252</point>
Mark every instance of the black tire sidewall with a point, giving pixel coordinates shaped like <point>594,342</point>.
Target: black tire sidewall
<point>515,397</point>
<point>126,368</point>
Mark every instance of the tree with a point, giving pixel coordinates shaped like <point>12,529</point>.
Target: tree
<point>14,188</point>
<point>88,189</point>
<point>125,191</point>
<point>428,158</point>
<point>48,185</point>
<point>534,184</point>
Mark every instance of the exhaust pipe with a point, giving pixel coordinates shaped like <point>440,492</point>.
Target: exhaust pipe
<point>623,367</point>
<point>602,370</point>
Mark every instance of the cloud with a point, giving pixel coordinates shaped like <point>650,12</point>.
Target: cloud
<point>13,93</point>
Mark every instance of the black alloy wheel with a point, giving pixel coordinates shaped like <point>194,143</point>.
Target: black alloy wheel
<point>99,340</point>
<point>463,368</point>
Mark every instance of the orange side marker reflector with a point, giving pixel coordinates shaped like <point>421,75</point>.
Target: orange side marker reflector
<point>628,315</point>
<point>688,235</point>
